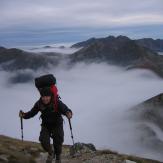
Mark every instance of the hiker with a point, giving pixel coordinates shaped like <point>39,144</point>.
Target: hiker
<point>52,122</point>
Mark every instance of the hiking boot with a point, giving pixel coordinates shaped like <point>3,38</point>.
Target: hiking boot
<point>49,159</point>
<point>58,159</point>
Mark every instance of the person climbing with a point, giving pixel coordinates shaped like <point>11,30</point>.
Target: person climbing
<point>52,122</point>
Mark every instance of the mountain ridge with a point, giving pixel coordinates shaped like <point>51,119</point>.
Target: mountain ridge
<point>150,43</point>
<point>16,59</point>
<point>120,51</point>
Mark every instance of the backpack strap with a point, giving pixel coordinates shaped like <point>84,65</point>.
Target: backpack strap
<point>55,93</point>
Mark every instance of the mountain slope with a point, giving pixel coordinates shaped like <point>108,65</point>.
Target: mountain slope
<point>16,59</point>
<point>120,50</point>
<point>151,111</point>
<point>149,119</point>
<point>11,151</point>
<point>155,45</point>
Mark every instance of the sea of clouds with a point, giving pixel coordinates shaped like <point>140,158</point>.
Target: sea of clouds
<point>63,48</point>
<point>100,97</point>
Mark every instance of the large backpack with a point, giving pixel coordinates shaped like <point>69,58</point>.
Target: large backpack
<point>48,81</point>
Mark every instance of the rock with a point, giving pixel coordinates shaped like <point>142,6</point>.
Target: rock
<point>4,158</point>
<point>81,148</point>
<point>129,161</point>
<point>42,157</point>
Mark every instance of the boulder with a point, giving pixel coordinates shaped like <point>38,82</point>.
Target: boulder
<point>81,148</point>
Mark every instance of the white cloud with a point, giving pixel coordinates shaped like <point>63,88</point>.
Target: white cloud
<point>99,95</point>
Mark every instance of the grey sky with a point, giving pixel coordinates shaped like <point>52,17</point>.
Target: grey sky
<point>35,15</point>
<point>85,13</point>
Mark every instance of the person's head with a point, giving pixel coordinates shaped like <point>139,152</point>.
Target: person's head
<point>46,95</point>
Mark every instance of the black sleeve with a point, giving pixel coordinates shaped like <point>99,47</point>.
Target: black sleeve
<point>32,112</point>
<point>63,109</point>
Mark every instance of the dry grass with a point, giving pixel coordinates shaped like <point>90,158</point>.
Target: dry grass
<point>19,152</point>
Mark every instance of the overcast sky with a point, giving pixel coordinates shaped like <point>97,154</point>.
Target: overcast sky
<point>74,20</point>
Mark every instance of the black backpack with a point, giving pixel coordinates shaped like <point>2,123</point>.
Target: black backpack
<point>45,81</point>
<point>48,81</point>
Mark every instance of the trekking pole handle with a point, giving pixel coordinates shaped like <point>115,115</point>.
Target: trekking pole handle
<point>21,119</point>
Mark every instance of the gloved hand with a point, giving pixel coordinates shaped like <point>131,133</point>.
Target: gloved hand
<point>69,115</point>
<point>21,114</point>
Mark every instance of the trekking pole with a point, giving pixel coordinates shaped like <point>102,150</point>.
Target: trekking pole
<point>71,131</point>
<point>73,150</point>
<point>21,121</point>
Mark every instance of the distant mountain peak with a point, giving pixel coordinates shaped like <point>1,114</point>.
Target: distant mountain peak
<point>121,51</point>
<point>95,40</point>
<point>150,43</point>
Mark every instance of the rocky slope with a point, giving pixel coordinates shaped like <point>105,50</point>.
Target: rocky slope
<point>155,45</point>
<point>14,151</point>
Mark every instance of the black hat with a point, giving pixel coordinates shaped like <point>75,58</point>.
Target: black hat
<point>46,91</point>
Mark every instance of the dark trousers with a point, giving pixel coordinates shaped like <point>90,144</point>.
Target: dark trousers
<point>57,134</point>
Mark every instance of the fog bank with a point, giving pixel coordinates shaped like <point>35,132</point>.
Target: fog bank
<point>99,96</point>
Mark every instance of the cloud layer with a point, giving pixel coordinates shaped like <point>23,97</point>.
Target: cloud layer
<point>71,20</point>
<point>86,13</point>
<point>99,95</point>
